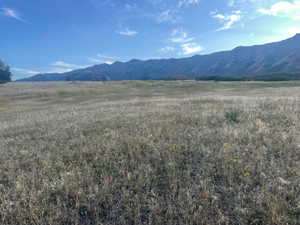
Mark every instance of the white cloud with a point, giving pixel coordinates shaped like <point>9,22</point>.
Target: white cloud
<point>56,70</point>
<point>231,3</point>
<point>172,14</point>
<point>235,3</point>
<point>187,2</point>
<point>185,42</point>
<point>291,31</point>
<point>106,56</point>
<point>284,9</point>
<point>12,13</point>
<point>19,73</point>
<point>67,65</point>
<point>55,67</point>
<point>99,61</point>
<point>127,32</point>
<point>191,48</point>
<point>280,35</point>
<point>23,72</point>
<point>228,20</point>
<point>167,49</point>
<point>168,15</point>
<point>130,7</point>
<point>101,58</point>
<point>180,36</point>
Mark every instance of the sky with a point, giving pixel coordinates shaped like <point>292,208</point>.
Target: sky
<point>44,36</point>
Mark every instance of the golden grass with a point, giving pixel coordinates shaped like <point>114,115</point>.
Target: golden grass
<point>3,102</point>
<point>150,153</point>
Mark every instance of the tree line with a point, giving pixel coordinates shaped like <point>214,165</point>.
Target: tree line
<point>5,74</point>
<point>282,76</point>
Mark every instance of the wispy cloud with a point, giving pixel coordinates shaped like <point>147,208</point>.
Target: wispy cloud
<point>282,34</point>
<point>100,61</point>
<point>55,67</point>
<point>167,49</point>
<point>231,3</point>
<point>228,20</point>
<point>130,7</point>
<point>68,66</point>
<point>101,58</point>
<point>100,55</point>
<point>172,14</point>
<point>161,11</point>
<point>180,36</point>
<point>236,3</point>
<point>101,3</point>
<point>127,32</point>
<point>168,15</point>
<point>191,48</point>
<point>283,9</point>
<point>185,42</point>
<point>187,2</point>
<point>21,72</point>
<point>12,13</point>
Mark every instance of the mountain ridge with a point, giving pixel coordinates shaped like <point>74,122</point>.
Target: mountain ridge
<point>282,56</point>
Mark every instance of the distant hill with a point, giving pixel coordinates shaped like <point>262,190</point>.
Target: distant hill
<point>279,57</point>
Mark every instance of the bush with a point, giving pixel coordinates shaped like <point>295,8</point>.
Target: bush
<point>232,117</point>
<point>5,74</point>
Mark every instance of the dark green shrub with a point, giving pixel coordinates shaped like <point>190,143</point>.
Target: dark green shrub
<point>232,117</point>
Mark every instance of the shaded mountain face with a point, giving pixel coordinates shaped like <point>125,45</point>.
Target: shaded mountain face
<point>283,56</point>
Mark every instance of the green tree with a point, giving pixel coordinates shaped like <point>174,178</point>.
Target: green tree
<point>5,74</point>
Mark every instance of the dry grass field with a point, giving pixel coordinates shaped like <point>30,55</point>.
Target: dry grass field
<point>169,153</point>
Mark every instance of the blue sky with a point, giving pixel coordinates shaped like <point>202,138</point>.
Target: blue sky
<point>61,35</point>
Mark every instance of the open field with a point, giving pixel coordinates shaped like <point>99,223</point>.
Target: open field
<point>150,153</point>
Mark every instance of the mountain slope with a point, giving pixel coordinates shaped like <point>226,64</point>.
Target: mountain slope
<point>283,56</point>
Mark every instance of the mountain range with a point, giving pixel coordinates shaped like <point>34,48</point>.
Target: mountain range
<point>276,57</point>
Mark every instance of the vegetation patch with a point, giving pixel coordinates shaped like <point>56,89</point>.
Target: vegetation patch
<point>191,156</point>
<point>232,116</point>
<point>3,101</point>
